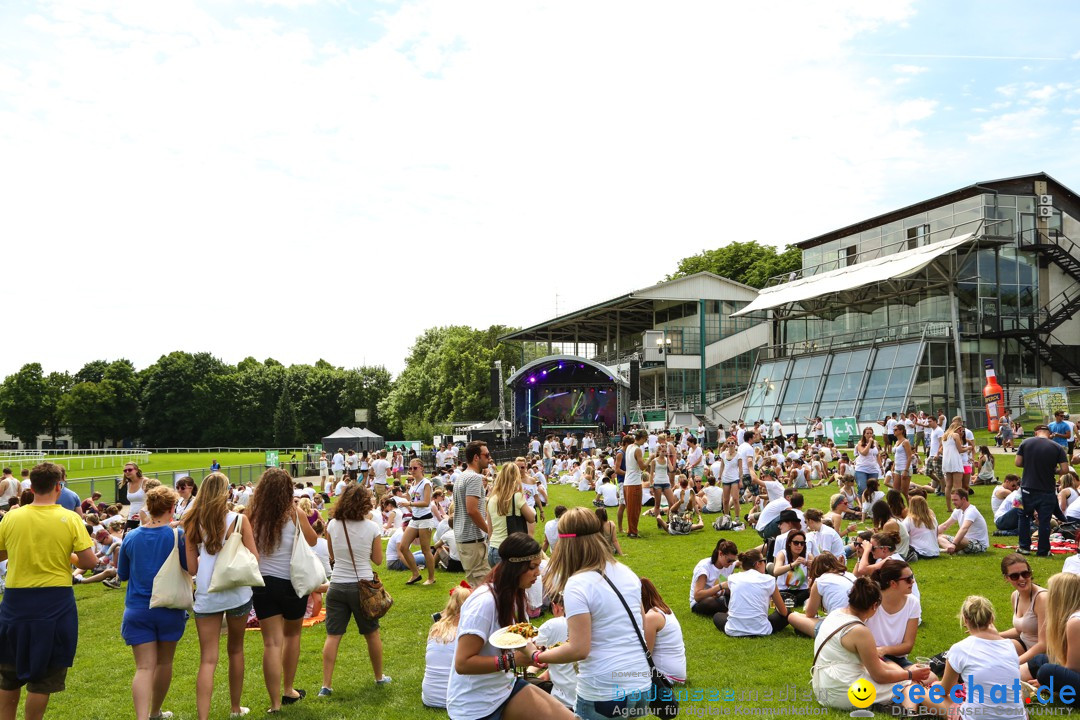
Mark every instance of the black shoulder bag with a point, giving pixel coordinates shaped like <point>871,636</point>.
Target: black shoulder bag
<point>515,523</point>
<point>663,703</point>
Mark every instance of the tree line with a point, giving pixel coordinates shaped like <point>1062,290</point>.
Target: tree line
<point>197,400</point>
<point>189,400</point>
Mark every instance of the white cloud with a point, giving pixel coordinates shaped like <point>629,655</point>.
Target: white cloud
<point>910,69</point>
<point>1042,93</point>
<point>1016,127</point>
<point>223,182</point>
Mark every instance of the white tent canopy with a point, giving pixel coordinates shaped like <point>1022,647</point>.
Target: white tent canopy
<point>861,274</point>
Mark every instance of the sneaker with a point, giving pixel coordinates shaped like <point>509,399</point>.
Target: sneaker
<point>165,715</point>
<point>111,583</point>
<point>243,711</point>
<point>1025,551</point>
<point>325,692</point>
<point>385,680</point>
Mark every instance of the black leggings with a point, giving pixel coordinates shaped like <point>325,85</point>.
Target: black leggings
<point>711,605</point>
<point>778,621</point>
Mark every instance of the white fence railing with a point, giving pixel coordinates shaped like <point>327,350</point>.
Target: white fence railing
<point>74,459</point>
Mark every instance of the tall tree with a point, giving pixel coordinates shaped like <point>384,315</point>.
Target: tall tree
<point>93,371</point>
<point>86,408</point>
<point>24,403</point>
<point>176,407</point>
<point>57,385</point>
<point>286,430</point>
<point>747,262</point>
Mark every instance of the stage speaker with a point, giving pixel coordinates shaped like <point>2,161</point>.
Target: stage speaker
<point>635,380</point>
<point>495,387</point>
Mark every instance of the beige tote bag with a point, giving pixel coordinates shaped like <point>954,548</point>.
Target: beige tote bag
<point>235,566</point>
<point>306,571</point>
<point>173,587</point>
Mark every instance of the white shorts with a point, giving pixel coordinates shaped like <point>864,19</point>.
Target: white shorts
<point>428,523</point>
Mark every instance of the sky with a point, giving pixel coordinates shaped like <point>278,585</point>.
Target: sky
<point>301,180</point>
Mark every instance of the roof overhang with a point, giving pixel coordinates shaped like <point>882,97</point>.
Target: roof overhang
<point>849,278</point>
<point>632,313</point>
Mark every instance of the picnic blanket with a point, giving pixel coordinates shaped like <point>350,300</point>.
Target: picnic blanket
<point>1057,547</point>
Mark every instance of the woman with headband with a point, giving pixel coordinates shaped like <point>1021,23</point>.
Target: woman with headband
<point>482,676</point>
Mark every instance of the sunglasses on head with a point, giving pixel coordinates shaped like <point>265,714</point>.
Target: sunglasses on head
<point>1025,574</point>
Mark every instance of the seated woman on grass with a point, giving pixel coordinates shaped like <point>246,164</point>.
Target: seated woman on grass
<point>752,591</point>
<point>832,583</point>
<point>845,653</point>
<point>791,569</point>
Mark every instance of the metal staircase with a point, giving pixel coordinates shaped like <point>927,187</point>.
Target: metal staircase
<point>1052,356</point>
<point>1035,331</point>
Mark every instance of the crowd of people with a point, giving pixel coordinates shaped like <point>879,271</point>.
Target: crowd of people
<point>842,575</point>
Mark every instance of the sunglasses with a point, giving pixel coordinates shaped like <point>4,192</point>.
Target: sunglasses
<point>798,542</point>
<point>909,579</point>
<point>1023,574</point>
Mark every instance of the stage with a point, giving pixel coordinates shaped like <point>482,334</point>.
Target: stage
<point>566,393</point>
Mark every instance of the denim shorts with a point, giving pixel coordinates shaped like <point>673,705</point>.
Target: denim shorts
<point>497,714</point>
<point>240,611</point>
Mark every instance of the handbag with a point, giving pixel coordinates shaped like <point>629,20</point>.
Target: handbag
<point>235,565</point>
<point>305,570</point>
<point>662,702</point>
<point>173,586</point>
<point>515,523</point>
<point>374,600</point>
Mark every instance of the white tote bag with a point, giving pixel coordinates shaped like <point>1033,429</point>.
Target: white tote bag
<point>235,565</point>
<point>306,571</point>
<point>173,587</point>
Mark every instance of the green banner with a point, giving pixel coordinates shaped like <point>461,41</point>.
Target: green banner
<point>318,447</point>
<point>271,458</point>
<point>841,430</point>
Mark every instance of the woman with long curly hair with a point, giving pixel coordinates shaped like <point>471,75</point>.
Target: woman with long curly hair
<point>355,548</point>
<point>601,639</point>
<point>206,526</point>
<point>275,518</point>
<point>482,682</point>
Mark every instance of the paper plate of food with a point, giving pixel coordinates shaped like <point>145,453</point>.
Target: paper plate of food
<point>513,637</point>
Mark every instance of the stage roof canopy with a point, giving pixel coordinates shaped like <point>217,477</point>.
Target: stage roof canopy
<point>533,366</point>
<point>633,312</point>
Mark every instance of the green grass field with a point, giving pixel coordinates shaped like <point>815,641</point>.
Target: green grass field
<point>99,684</point>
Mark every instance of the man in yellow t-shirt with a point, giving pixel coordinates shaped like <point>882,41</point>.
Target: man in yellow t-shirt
<point>39,623</point>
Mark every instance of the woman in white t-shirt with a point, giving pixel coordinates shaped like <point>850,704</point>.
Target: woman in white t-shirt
<point>207,525</point>
<point>663,634</point>
<point>895,623</point>
<point>867,459</point>
<point>275,518</point>
<point>421,525</point>
<point>921,525</point>
<point>791,569</point>
<point>441,646</point>
<point>355,549</point>
<point>605,640</point>
<point>708,586</point>
<point>482,685</point>
<point>832,584</point>
<point>751,592</point>
<point>988,660</point>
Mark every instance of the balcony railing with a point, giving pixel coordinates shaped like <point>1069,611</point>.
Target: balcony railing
<point>866,336</point>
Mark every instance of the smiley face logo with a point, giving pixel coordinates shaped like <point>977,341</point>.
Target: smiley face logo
<point>861,693</point>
